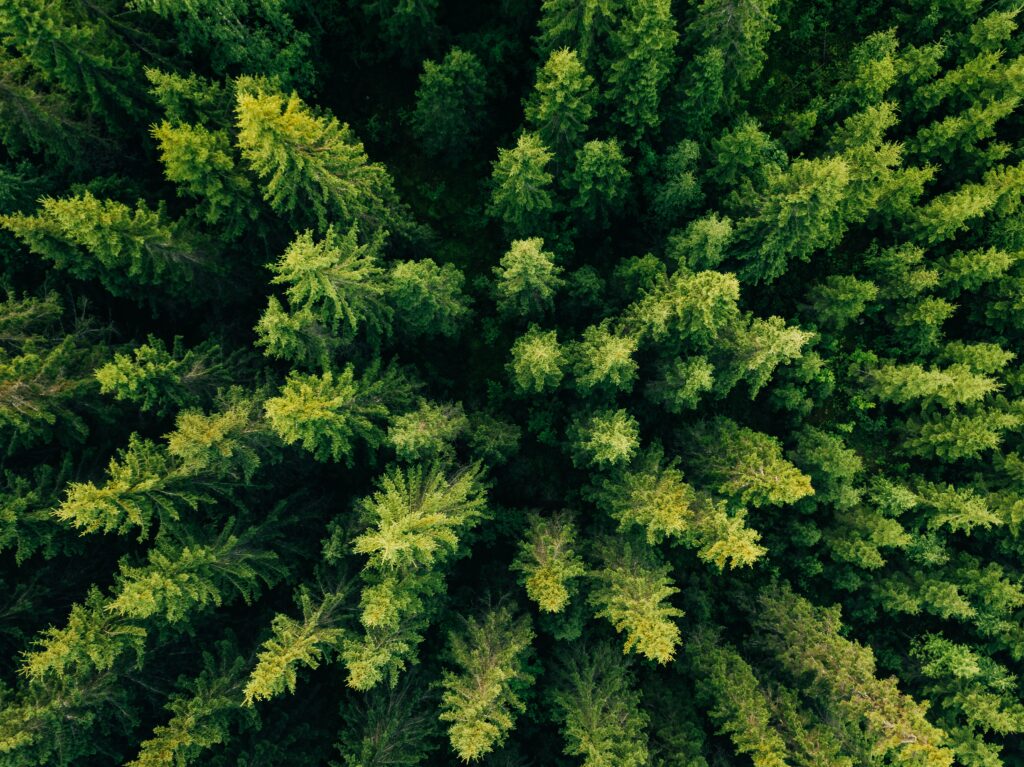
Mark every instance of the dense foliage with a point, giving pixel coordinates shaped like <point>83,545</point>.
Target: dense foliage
<point>618,383</point>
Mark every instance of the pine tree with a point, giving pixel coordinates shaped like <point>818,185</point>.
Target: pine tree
<point>527,279</point>
<point>631,590</point>
<point>328,413</point>
<point>607,437</point>
<point>736,702</point>
<point>482,699</point>
<point>429,432</point>
<point>165,380</point>
<point>600,180</point>
<point>604,359</point>
<point>337,280</point>
<point>296,643</point>
<point>413,524</point>
<point>580,26</point>
<point>548,562</point>
<point>427,299</point>
<point>740,31</point>
<point>537,360</point>
<point>450,104</point>
<point>655,498</point>
<point>203,165</point>
<point>129,252</point>
<point>202,712</point>
<point>744,464</point>
<point>309,163</point>
<point>643,58</point>
<point>599,706</point>
<point>521,194</point>
<point>562,102</point>
<point>801,636</point>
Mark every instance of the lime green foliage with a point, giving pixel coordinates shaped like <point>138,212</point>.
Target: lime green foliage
<point>632,589</point>
<point>562,102</point>
<point>528,278</point>
<point>335,279</point>
<point>538,361</point>
<point>548,562</point>
<point>163,380</point>
<point>481,700</point>
<point>606,438</point>
<point>605,358</point>
<point>655,498</point>
<point>180,580</point>
<point>202,712</point>
<point>428,432</point>
<point>295,643</point>
<point>203,165</point>
<point>416,517</point>
<point>521,195</point>
<point>687,335</point>
<point>745,464</point>
<point>414,523</point>
<point>326,414</point>
<point>308,162</point>
<point>128,251</point>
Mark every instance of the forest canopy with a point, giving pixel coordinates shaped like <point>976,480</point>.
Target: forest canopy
<point>570,383</point>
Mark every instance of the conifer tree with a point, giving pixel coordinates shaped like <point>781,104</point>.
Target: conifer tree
<point>328,413</point>
<point>598,702</point>
<point>528,278</point>
<point>128,251</point>
<point>308,163</point>
<point>631,590</point>
<point>643,51</point>
<point>521,196</point>
<point>562,102</point>
<point>481,699</point>
<point>450,104</point>
<point>548,562</point>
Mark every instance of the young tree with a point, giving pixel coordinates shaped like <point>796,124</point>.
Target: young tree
<point>528,279</point>
<point>481,700</point>
<point>521,193</point>
<point>599,180</point>
<point>129,252</point>
<point>450,105</point>
<point>605,438</point>
<point>744,464</point>
<point>643,58</point>
<point>167,380</point>
<point>337,280</point>
<point>537,361</point>
<point>599,706</point>
<point>631,590</point>
<point>548,562</point>
<point>309,164</point>
<point>296,643</point>
<point>328,413</point>
<point>562,102</point>
<point>427,299</point>
<point>581,26</point>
